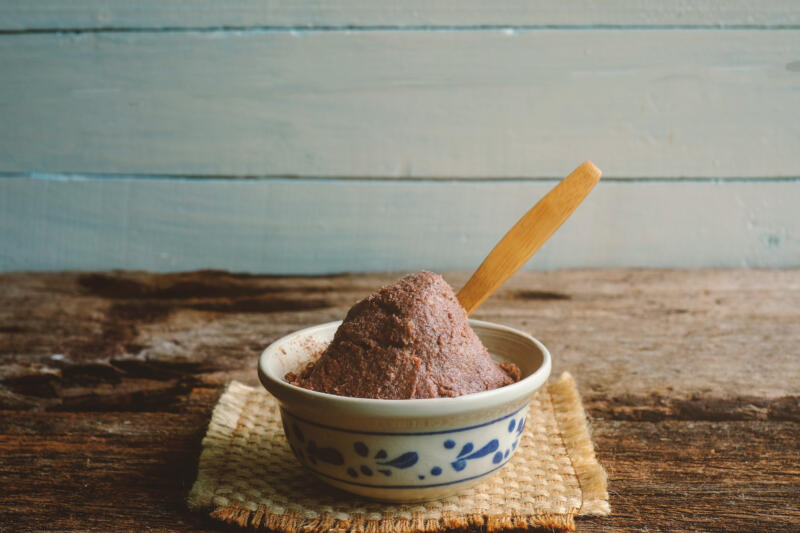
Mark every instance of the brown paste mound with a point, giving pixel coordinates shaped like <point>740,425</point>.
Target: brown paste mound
<point>408,340</point>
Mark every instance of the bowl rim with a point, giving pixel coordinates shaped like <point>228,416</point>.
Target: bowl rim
<point>286,393</point>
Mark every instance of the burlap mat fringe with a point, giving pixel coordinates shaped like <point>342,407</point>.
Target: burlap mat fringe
<point>553,477</point>
<point>235,513</point>
<point>224,420</point>
<point>571,418</point>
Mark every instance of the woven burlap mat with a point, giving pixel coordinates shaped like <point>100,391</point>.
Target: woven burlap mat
<point>248,476</point>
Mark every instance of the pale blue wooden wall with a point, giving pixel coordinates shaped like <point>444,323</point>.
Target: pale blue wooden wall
<point>307,137</point>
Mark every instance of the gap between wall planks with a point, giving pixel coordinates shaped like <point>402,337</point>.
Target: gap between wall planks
<point>158,14</point>
<point>320,226</point>
<point>403,103</point>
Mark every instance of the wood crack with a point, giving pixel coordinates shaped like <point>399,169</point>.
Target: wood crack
<point>656,408</point>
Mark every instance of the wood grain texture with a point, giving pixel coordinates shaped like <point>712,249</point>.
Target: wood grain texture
<point>724,334</point>
<point>323,226</point>
<point>55,14</point>
<point>690,379</point>
<point>465,104</point>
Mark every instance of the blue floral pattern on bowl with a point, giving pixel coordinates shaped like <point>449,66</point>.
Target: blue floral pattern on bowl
<point>428,459</point>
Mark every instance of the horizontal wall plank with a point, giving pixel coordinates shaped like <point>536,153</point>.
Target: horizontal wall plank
<point>60,14</point>
<point>660,103</point>
<point>321,226</point>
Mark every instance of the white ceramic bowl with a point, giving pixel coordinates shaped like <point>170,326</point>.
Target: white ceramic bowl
<point>404,450</point>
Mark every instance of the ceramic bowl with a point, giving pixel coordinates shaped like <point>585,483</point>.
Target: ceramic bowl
<point>404,450</point>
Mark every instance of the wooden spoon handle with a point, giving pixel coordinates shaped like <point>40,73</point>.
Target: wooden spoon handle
<point>528,235</point>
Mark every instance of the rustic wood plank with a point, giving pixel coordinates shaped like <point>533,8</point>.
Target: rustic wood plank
<point>699,476</point>
<point>113,471</point>
<point>68,472</point>
<point>644,344</point>
<point>264,225</point>
<point>690,379</point>
<point>55,14</point>
<point>403,103</point>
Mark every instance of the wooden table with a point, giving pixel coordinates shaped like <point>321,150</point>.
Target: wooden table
<point>691,380</point>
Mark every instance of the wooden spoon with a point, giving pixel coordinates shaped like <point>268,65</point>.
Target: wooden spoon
<point>528,235</point>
